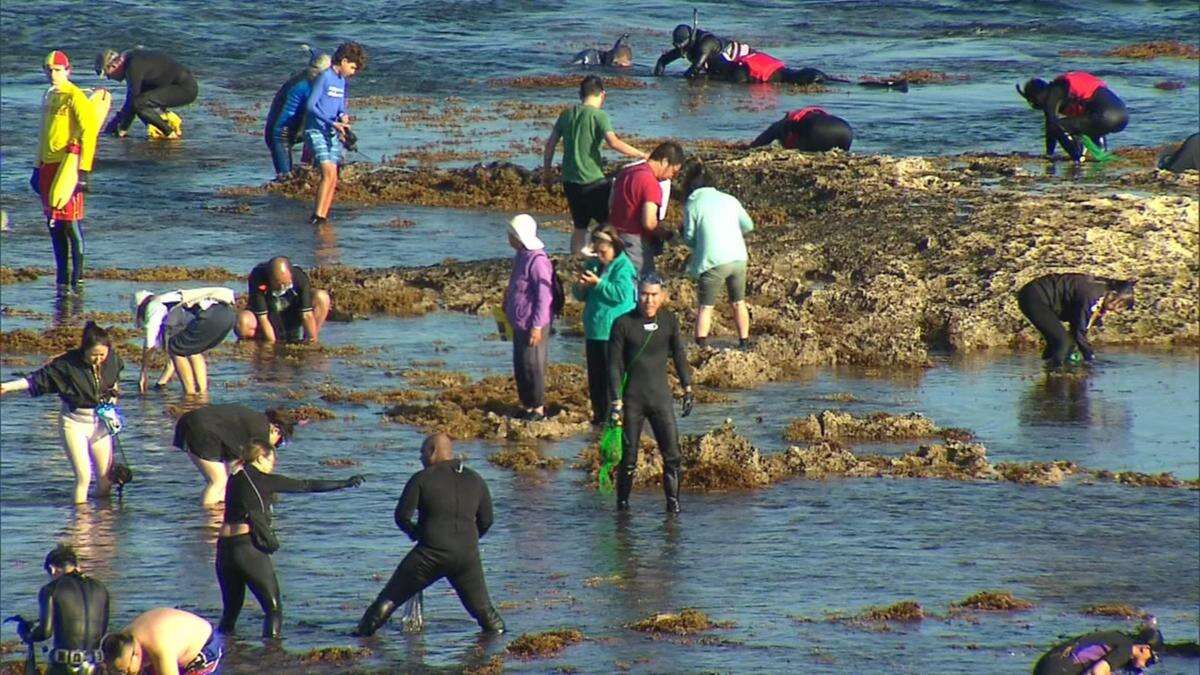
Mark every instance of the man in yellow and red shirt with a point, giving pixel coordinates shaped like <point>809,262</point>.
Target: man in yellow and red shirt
<point>68,127</point>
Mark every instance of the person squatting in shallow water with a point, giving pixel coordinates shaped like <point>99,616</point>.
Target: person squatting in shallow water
<point>453,509</point>
<point>1103,652</point>
<point>1076,103</point>
<point>809,129</point>
<point>69,126</point>
<point>619,56</point>
<point>1079,299</point>
<point>638,349</point>
<point>529,308</point>
<point>154,83</point>
<point>246,539</point>
<point>608,288</point>
<point>285,119</point>
<point>185,323</point>
<point>327,121</point>
<point>282,305</point>
<point>730,60</point>
<point>164,641</point>
<point>83,378</point>
<point>73,612</point>
<point>582,129</point>
<point>214,434</point>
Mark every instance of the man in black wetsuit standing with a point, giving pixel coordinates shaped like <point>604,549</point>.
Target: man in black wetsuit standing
<point>453,509</point>
<point>73,611</point>
<point>638,348</point>
<point>154,82</point>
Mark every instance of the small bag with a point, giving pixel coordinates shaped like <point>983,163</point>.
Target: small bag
<point>262,535</point>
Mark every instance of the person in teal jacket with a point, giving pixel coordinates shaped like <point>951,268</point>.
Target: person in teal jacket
<point>608,288</point>
<point>713,227</point>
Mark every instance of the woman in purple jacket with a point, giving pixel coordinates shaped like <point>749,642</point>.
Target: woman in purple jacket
<point>528,306</point>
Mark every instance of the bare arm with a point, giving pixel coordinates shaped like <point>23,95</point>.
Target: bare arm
<point>1101,668</point>
<point>20,384</point>
<point>548,150</point>
<point>310,325</point>
<point>649,216</point>
<point>622,147</point>
<point>265,329</point>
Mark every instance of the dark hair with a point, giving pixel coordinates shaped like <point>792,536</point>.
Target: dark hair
<point>351,51</point>
<point>94,335</point>
<point>1121,290</point>
<point>1035,92</point>
<point>254,450</point>
<point>139,315</point>
<point>115,644</point>
<point>669,152</point>
<point>590,86</point>
<point>694,176</point>
<point>287,426</point>
<point>61,556</point>
<point>651,279</point>
<point>613,236</point>
<point>682,35</point>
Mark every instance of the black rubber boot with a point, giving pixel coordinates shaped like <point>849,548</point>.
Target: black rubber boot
<point>492,623</point>
<point>624,487</point>
<point>671,488</point>
<point>375,616</point>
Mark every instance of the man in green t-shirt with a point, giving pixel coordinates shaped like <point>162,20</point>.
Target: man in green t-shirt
<point>581,129</point>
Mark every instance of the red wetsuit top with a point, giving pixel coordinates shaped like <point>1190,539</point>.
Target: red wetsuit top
<point>1081,87</point>
<point>792,140</point>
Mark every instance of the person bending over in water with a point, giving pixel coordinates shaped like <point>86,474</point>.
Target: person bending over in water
<point>620,56</point>
<point>154,82</point>
<point>285,119</point>
<point>1076,103</point>
<point>73,611</point>
<point>282,305</point>
<point>213,435</point>
<point>243,558</point>
<point>1103,652</point>
<point>83,378</point>
<point>729,60</point>
<point>164,641</point>
<point>1079,299</point>
<point>809,129</point>
<point>186,323</point>
<point>453,510</point>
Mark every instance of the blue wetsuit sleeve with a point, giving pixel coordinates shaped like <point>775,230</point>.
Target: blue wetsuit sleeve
<point>406,508</point>
<point>314,97</point>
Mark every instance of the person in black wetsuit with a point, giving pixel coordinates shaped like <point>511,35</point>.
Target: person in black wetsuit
<point>730,60</point>
<point>1079,299</point>
<point>620,56</point>
<point>809,129</point>
<point>1076,103</point>
<point>240,562</point>
<point>214,434</point>
<point>1185,158</point>
<point>1102,652</point>
<point>638,348</point>
<point>73,611</point>
<point>154,82</point>
<point>453,509</point>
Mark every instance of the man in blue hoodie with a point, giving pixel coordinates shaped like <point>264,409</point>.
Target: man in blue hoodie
<point>327,121</point>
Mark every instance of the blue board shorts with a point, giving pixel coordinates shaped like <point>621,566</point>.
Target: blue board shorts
<point>325,145</point>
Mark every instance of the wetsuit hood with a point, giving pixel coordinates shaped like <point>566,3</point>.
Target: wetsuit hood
<point>1034,92</point>
<point>681,36</point>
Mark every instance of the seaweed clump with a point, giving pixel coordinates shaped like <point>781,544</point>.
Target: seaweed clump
<point>830,424</point>
<point>334,654</point>
<point>992,601</point>
<point>308,413</point>
<point>16,275</point>
<point>906,610</point>
<point>1156,49</point>
<point>544,644</point>
<point>1118,610</point>
<point>524,458</point>
<point>687,622</point>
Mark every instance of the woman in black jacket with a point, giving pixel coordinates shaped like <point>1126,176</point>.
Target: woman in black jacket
<point>83,378</point>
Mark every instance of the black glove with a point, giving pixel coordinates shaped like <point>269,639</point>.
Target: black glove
<point>83,182</point>
<point>689,400</point>
<point>355,480</point>
<point>350,140</point>
<point>113,126</point>
<point>658,69</point>
<point>23,629</point>
<point>35,181</point>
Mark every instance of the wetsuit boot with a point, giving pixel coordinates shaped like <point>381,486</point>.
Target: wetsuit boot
<point>671,488</point>
<point>624,487</point>
<point>375,616</point>
<point>492,622</point>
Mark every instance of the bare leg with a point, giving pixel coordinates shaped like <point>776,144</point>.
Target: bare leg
<point>199,372</point>
<point>325,189</point>
<point>168,373</point>
<point>703,321</point>
<point>741,318</point>
<point>215,477</point>
<point>186,377</point>
<point>75,444</point>
<point>579,239</point>
<point>321,304</point>
<point>246,327</point>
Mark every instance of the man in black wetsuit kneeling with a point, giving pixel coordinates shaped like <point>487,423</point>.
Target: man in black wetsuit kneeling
<point>74,612</point>
<point>453,509</point>
<point>154,82</point>
<point>730,60</point>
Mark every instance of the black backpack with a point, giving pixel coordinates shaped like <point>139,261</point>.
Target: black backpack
<point>557,295</point>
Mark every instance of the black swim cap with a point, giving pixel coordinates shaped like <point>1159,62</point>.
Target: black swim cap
<point>682,35</point>
<point>1035,92</point>
<point>60,557</point>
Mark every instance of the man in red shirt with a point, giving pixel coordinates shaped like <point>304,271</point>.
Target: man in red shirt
<point>636,197</point>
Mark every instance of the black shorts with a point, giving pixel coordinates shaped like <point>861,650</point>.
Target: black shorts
<point>204,331</point>
<point>588,202</point>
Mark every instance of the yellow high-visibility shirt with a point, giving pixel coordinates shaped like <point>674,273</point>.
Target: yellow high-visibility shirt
<point>67,120</point>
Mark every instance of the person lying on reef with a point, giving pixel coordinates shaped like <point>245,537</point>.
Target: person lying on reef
<point>154,82</point>
<point>638,349</point>
<point>809,129</point>
<point>282,305</point>
<point>1075,104</point>
<point>1103,652</point>
<point>214,434</point>
<point>1185,158</point>
<point>1079,299</point>
<point>619,56</point>
<point>730,60</point>
<point>163,641</point>
<point>453,509</point>
<point>73,611</point>
<point>285,119</point>
<point>185,323</point>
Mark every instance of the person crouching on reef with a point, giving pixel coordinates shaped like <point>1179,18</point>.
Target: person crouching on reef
<point>285,119</point>
<point>186,323</point>
<point>528,306</point>
<point>164,641</point>
<point>327,121</point>
<point>638,349</point>
<point>154,82</point>
<point>282,305</point>
<point>453,509</point>
<point>1076,103</point>
<point>1103,652</point>
<point>215,434</point>
<point>620,56</point>
<point>73,611</point>
<point>809,129</point>
<point>1079,299</point>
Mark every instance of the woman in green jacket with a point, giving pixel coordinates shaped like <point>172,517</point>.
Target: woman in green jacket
<point>608,288</point>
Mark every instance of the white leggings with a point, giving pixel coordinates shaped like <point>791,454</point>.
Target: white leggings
<point>88,445</point>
